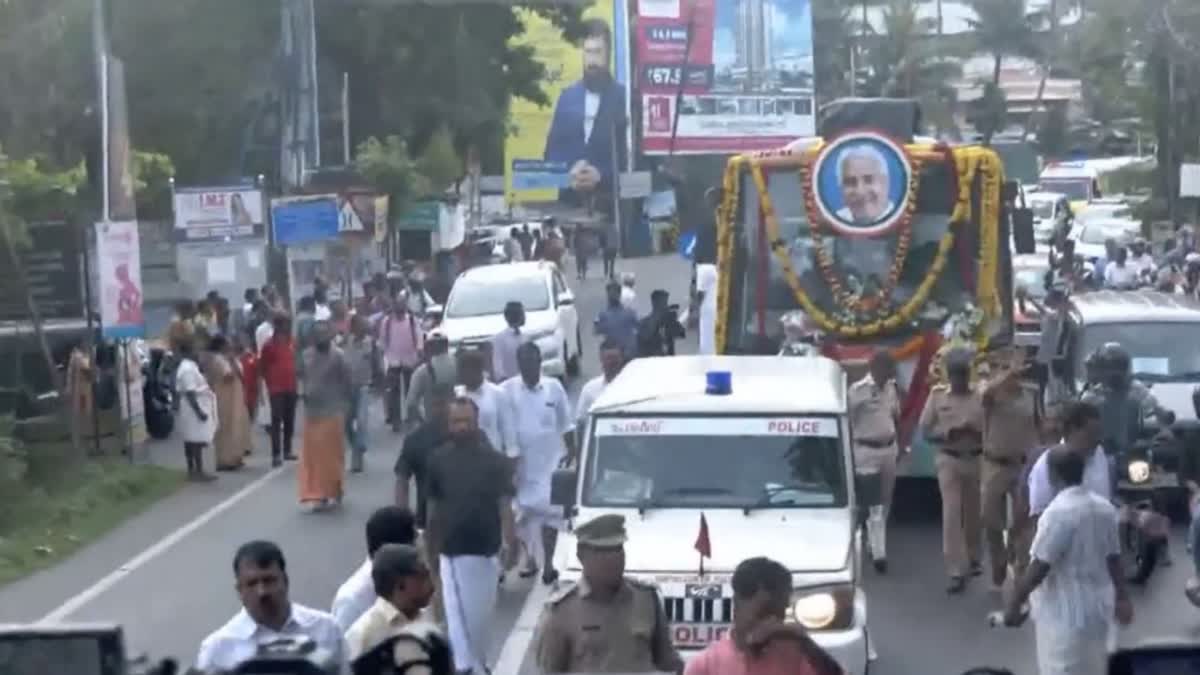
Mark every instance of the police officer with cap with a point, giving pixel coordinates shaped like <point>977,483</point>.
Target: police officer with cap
<point>605,623</point>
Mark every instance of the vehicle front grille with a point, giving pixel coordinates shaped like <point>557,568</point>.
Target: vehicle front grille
<point>697,610</point>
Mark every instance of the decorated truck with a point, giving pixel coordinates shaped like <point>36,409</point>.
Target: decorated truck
<point>880,242</point>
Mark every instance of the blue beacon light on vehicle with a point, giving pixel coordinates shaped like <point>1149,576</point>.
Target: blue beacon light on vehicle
<point>718,383</point>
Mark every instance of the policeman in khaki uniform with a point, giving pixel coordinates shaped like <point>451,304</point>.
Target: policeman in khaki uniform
<point>953,422</point>
<point>1010,433</point>
<point>606,623</point>
<point>874,412</point>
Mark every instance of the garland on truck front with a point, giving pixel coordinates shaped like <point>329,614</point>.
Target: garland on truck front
<point>971,163</point>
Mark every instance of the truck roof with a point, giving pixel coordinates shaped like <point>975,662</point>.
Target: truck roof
<point>1134,306</point>
<point>760,384</point>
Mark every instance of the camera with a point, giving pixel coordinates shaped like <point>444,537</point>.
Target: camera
<point>290,656</point>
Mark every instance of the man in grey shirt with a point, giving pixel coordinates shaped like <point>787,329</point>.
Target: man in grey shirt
<point>359,349</point>
<point>439,368</point>
<point>328,391</point>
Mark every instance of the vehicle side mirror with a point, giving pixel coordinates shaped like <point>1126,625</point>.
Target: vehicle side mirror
<point>1022,224</point>
<point>562,488</point>
<point>566,299</point>
<point>434,313</point>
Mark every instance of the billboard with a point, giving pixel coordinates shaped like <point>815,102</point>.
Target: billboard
<point>119,269</point>
<point>211,214</point>
<point>303,220</point>
<point>742,79</point>
<point>567,151</point>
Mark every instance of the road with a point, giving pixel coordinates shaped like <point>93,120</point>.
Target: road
<point>166,575</point>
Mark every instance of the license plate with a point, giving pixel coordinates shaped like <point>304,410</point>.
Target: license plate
<point>697,634</point>
<point>703,591</point>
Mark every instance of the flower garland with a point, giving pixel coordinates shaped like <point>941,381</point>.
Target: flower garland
<point>903,315</point>
<point>726,215</point>
<point>878,302</point>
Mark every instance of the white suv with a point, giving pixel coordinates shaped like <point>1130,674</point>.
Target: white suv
<point>474,311</point>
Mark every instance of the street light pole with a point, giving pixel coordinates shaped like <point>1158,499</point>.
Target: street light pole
<point>100,39</point>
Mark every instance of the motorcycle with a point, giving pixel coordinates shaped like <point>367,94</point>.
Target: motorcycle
<point>158,393</point>
<point>1143,491</point>
<point>799,338</point>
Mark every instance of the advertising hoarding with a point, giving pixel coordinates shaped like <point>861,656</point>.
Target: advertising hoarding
<point>208,214</point>
<point>745,74</point>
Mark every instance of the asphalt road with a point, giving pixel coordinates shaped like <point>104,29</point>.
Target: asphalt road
<point>166,575</point>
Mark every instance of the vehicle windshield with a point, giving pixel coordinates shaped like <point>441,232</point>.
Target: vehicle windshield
<point>1074,188</point>
<point>1043,209</point>
<point>715,462</point>
<point>1032,279</point>
<point>1160,351</point>
<point>1097,234</point>
<point>473,297</point>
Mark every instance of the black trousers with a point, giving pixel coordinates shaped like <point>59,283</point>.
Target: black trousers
<point>283,423</point>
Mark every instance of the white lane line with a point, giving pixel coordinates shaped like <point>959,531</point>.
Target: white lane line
<point>90,593</point>
<point>516,645</point>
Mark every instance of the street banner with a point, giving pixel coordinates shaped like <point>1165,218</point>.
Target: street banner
<point>119,268</point>
<point>741,72</point>
<point>567,151</point>
<point>209,214</point>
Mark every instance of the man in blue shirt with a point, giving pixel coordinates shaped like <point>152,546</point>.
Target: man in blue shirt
<point>617,322</point>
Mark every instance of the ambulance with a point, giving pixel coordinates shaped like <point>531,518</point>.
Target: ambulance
<point>716,459</point>
<point>1084,181</point>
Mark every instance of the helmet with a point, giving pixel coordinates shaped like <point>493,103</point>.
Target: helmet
<point>1116,357</point>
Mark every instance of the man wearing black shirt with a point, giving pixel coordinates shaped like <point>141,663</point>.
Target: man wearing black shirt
<point>470,531</point>
<point>658,330</point>
<point>412,466</point>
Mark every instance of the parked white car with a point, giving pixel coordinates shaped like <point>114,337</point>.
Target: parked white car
<point>1104,210</point>
<point>1050,210</point>
<point>474,311</point>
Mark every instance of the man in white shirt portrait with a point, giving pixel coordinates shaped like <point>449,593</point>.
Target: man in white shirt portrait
<point>1074,580</point>
<point>1082,433</point>
<point>1118,273</point>
<point>612,360</point>
<point>267,614</point>
<point>863,175</point>
<point>403,587</point>
<point>489,398</point>
<point>388,525</point>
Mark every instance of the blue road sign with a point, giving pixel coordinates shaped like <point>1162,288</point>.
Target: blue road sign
<point>687,244</point>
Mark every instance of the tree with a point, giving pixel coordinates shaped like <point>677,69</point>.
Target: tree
<point>834,34</point>
<point>1002,28</point>
<point>390,168</point>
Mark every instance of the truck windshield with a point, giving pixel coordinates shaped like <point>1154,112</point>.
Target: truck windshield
<point>1074,188</point>
<point>721,462</point>
<point>1161,351</point>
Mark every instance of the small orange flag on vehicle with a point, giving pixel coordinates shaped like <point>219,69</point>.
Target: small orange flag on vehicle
<point>703,545</point>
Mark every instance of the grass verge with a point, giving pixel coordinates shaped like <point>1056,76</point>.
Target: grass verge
<point>44,525</point>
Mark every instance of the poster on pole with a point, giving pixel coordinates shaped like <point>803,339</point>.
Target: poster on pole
<point>567,151</point>
<point>121,202</point>
<point>119,269</point>
<point>208,214</point>
<point>741,72</point>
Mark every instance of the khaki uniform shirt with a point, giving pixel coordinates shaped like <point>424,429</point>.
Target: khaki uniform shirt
<point>1009,425</point>
<point>627,633</point>
<point>873,414</point>
<point>945,411</point>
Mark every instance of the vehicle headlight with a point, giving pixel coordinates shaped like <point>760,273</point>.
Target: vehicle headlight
<point>1139,471</point>
<point>825,608</point>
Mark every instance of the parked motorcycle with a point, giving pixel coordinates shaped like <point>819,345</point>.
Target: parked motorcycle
<point>158,393</point>
<point>1144,487</point>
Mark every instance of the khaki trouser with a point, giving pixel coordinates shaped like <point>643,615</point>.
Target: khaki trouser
<point>881,462</point>
<point>1001,484</point>
<point>958,481</point>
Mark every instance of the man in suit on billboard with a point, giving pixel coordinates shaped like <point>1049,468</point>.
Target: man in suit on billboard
<point>589,120</point>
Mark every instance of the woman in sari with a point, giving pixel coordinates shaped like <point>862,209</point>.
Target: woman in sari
<point>224,376</point>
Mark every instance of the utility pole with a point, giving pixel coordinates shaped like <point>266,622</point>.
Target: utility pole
<point>346,119</point>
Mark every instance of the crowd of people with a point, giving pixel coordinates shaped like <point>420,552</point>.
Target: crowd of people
<point>1174,269</point>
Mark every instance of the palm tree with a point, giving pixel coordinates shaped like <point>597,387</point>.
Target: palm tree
<point>1003,28</point>
<point>903,61</point>
<point>1050,55</point>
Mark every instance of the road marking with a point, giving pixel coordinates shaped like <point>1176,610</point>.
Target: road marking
<point>92,592</point>
<point>516,645</point>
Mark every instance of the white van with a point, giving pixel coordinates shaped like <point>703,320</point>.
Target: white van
<point>768,468</point>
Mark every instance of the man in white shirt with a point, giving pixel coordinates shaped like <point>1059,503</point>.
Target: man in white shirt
<point>1082,432</point>
<point>506,342</point>
<point>1074,580</point>
<point>1118,273</point>
<point>388,525</point>
<point>1139,257</point>
<point>628,295</point>
<point>543,429</point>
<point>403,586</point>
<point>490,399</point>
<point>612,360</point>
<point>267,614</point>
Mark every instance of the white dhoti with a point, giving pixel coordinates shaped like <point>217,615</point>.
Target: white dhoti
<point>540,456</point>
<point>1071,652</point>
<point>469,596</point>
<point>707,330</point>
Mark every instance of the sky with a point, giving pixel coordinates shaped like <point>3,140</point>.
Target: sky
<point>792,30</point>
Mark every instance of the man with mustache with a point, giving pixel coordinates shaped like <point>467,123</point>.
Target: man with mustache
<point>862,174</point>
<point>588,120</point>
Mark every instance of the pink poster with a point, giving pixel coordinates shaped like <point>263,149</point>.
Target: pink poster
<point>119,268</point>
